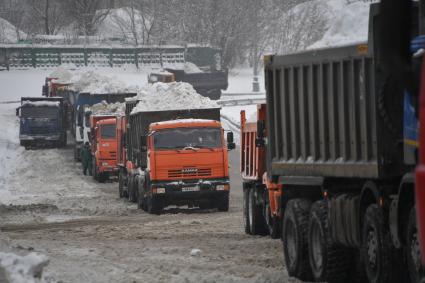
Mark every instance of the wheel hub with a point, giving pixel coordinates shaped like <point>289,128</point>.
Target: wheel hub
<point>372,244</point>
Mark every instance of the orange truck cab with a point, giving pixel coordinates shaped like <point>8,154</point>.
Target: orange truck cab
<point>262,214</point>
<point>175,162</point>
<point>104,146</point>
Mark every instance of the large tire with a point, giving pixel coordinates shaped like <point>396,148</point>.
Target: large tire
<point>273,224</point>
<point>376,248</point>
<point>154,204</point>
<point>246,223</point>
<point>257,224</point>
<point>413,252</point>
<point>121,183</point>
<point>141,184</point>
<point>223,203</point>
<point>328,261</point>
<point>294,238</point>
<point>132,187</point>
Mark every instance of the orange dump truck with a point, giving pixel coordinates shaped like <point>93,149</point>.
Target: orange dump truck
<point>174,157</point>
<point>104,146</point>
<point>262,213</point>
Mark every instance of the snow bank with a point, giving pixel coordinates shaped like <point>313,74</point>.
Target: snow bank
<point>40,103</point>
<point>170,96</point>
<point>61,75</point>
<point>22,269</point>
<point>9,33</point>
<point>347,24</point>
<point>191,68</point>
<point>104,108</point>
<point>95,83</point>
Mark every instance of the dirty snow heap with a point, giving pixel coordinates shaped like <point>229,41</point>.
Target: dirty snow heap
<point>22,269</point>
<point>170,96</point>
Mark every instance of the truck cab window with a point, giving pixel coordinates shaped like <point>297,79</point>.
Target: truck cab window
<point>107,131</point>
<point>188,137</point>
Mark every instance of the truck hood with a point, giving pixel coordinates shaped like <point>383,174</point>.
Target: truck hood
<point>188,164</point>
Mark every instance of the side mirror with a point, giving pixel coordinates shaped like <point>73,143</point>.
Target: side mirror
<point>230,142</point>
<point>144,144</point>
<point>123,140</point>
<point>261,128</point>
<point>230,137</point>
<point>17,111</point>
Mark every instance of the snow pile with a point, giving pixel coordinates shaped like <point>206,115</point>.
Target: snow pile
<point>195,252</point>
<point>9,33</point>
<point>95,83</point>
<point>170,96</point>
<point>347,24</point>
<point>40,103</point>
<point>22,269</point>
<point>61,75</point>
<point>104,108</point>
<point>191,68</point>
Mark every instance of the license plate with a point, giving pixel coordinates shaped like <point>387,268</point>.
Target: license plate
<point>190,189</point>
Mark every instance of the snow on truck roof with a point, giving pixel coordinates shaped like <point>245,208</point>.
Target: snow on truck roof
<point>183,123</point>
<point>40,103</point>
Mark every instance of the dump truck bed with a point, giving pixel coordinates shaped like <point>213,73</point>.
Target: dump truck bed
<point>331,113</point>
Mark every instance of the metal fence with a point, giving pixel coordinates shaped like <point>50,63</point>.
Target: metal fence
<point>24,57</point>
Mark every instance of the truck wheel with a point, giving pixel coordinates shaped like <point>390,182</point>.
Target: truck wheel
<point>376,246</point>
<point>294,238</point>
<point>154,205</point>
<point>141,184</point>
<point>329,261</point>
<point>257,224</point>
<point>246,223</point>
<point>272,222</point>
<point>413,252</point>
<point>131,189</point>
<point>223,203</point>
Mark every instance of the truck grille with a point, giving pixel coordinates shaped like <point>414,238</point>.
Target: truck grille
<point>189,172</point>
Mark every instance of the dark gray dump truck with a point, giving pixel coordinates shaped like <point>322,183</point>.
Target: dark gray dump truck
<point>42,122</point>
<point>336,142</point>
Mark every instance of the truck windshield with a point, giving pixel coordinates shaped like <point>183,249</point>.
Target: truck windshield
<point>187,137</point>
<point>107,131</point>
<point>40,112</point>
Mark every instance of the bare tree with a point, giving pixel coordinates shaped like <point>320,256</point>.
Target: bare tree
<point>49,13</point>
<point>87,14</point>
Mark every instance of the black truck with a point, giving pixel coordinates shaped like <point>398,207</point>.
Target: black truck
<point>341,140</point>
<point>208,83</point>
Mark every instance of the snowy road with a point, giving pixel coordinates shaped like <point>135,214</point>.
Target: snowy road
<point>91,235</point>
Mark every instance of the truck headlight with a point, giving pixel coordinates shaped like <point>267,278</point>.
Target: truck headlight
<point>222,187</point>
<point>105,164</point>
<point>159,190</point>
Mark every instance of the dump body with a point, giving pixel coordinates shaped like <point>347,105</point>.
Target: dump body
<point>42,121</point>
<point>332,114</point>
<point>207,83</point>
<point>253,158</point>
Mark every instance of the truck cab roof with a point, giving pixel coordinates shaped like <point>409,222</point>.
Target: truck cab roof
<point>184,123</point>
